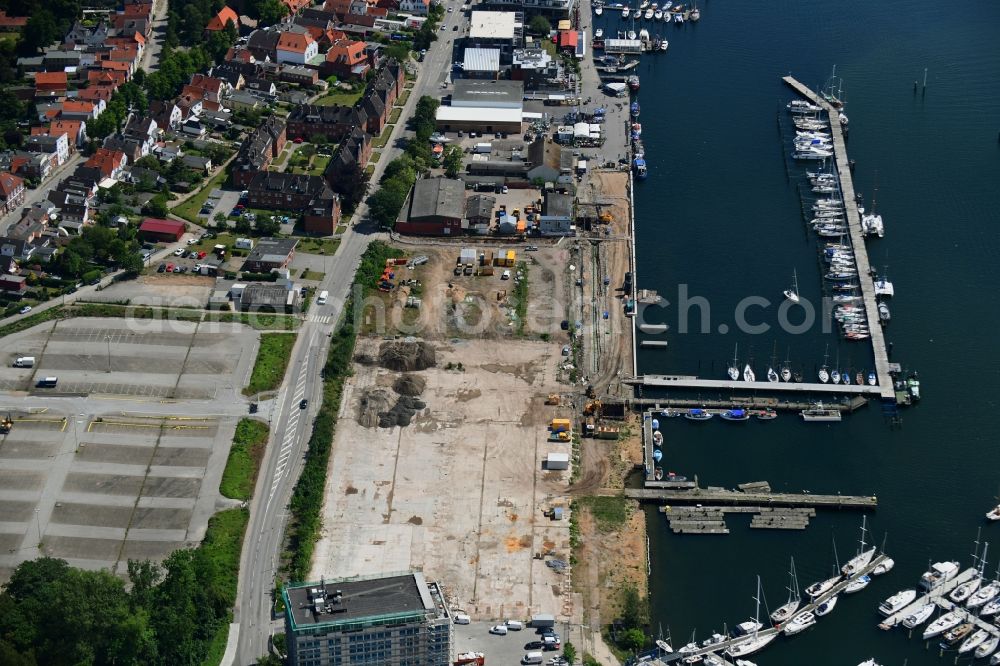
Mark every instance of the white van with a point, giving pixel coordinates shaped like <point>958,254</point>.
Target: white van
<point>323,295</point>
<point>499,630</point>
<point>532,658</point>
<point>24,362</point>
<point>515,625</point>
<point>460,618</point>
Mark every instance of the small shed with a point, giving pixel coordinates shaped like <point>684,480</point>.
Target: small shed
<point>557,461</point>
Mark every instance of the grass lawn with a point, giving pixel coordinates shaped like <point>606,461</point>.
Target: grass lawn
<point>370,170</point>
<point>189,209</point>
<point>206,245</point>
<point>319,165</point>
<point>318,245</point>
<point>272,359</point>
<point>401,100</point>
<point>312,275</point>
<point>222,544</point>
<point>394,116</point>
<point>240,475</point>
<point>341,229</point>
<point>384,137</point>
<point>376,156</point>
<point>260,321</point>
<point>340,97</point>
<point>283,156</point>
<point>550,48</point>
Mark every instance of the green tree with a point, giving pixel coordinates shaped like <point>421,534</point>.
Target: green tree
<point>157,206</point>
<point>270,660</point>
<point>635,611</point>
<point>452,161</point>
<point>632,640</point>
<point>569,651</point>
<point>539,25</point>
<point>280,643</point>
<point>40,31</point>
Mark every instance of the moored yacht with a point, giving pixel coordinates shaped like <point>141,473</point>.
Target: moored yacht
<point>919,616</point>
<point>897,602</point>
<point>942,624</point>
<point>965,590</point>
<point>827,606</point>
<point>822,587</point>
<point>858,584</point>
<point>802,106</point>
<point>800,623</point>
<point>735,415</point>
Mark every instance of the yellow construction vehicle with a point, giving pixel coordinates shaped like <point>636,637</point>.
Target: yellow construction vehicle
<point>553,399</point>
<point>5,425</point>
<point>593,407</point>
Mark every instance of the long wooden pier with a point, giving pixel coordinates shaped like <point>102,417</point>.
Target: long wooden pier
<point>723,496</point>
<point>857,237</point>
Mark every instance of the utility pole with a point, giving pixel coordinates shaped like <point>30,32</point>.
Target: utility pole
<point>108,339</point>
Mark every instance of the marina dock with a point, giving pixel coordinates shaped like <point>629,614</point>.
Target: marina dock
<point>885,380</point>
<point>718,648</point>
<point>725,497</point>
<point>690,381</point>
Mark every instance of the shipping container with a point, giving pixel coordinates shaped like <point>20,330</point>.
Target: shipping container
<point>557,461</point>
<point>559,425</point>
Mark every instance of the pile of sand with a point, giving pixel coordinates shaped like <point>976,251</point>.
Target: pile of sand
<point>401,413</point>
<point>410,385</point>
<point>374,403</point>
<point>406,356</point>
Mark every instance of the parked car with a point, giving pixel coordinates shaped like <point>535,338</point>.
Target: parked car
<point>177,269</point>
<point>192,241</point>
<point>505,275</point>
<point>533,645</point>
<point>170,268</point>
<point>26,309</point>
<point>303,403</point>
<point>179,252</point>
<point>499,630</point>
<point>161,268</point>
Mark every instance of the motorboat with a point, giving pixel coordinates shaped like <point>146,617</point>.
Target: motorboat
<point>658,473</point>
<point>983,595</point>
<point>698,415</point>
<point>858,584</point>
<point>772,376</point>
<point>678,18</point>
<point>648,15</point>
<point>987,647</point>
<point>800,623</point>
<point>634,107</point>
<point>747,628</point>
<point>657,438</point>
<point>835,377</point>
<point>958,633</point>
<point>939,574</point>
<point>598,10</point>
<point>919,616</point>
<point>991,608</point>
<point>802,106</point>
<point>884,288</point>
<point>869,662</point>
<point>598,33</point>
<point>766,415</point>
<point>872,379</point>
<point>886,565</point>
<point>994,513</point>
<point>826,607</point>
<point>639,166</point>
<point>822,587</point>
<point>657,455</point>
<point>961,593</point>
<point>643,35</point>
<point>973,641</point>
<point>633,85</point>
<point>735,415</point>
<point>942,624</point>
<point>663,45</point>
<point>658,15</point>
<point>625,12</point>
<point>812,154</point>
<point>897,602</point>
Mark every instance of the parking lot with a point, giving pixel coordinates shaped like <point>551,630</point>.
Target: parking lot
<point>111,470</point>
<point>132,357</point>
<point>481,530</point>
<point>503,650</point>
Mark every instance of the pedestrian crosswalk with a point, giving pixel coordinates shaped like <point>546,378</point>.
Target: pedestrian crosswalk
<point>318,318</point>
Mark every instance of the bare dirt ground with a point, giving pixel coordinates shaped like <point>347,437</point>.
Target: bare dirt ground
<point>461,492</point>
<point>160,289</point>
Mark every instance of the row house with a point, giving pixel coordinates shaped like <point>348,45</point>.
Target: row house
<point>36,166</point>
<point>319,204</point>
<point>75,198</point>
<point>166,114</point>
<point>224,17</point>
<point>82,36</point>
<point>136,140</point>
<point>296,48</point>
<point>11,192</point>
<point>50,144</point>
<point>110,163</point>
<point>94,93</point>
<point>263,44</point>
<point>12,23</point>
<point>333,122</point>
<point>50,84</point>
<point>346,59</point>
<point>76,129</point>
<point>348,163</point>
<point>82,109</point>
<point>260,147</point>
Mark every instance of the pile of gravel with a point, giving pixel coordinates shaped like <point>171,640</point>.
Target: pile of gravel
<point>374,402</point>
<point>401,413</point>
<point>410,385</point>
<point>406,356</point>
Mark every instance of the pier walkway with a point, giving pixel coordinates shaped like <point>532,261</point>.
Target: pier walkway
<point>689,381</point>
<point>857,238</point>
<point>722,496</point>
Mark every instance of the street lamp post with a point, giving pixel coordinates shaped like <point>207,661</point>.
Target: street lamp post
<point>108,339</point>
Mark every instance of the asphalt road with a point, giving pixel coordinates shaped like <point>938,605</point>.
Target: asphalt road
<point>151,56</point>
<point>34,196</point>
<point>291,427</point>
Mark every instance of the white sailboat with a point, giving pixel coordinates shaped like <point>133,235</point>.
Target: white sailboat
<point>861,560</point>
<point>734,371</point>
<point>755,642</point>
<point>772,376</point>
<point>794,598</point>
<point>947,621</point>
<point>786,368</point>
<point>748,374</point>
<point>858,584</point>
<point>919,616</point>
<point>824,372</point>
<point>792,294</point>
<point>827,606</point>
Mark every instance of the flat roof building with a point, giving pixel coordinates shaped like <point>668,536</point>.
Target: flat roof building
<point>270,253</point>
<point>394,620</point>
<point>488,94</point>
<point>478,119</point>
<point>493,25</point>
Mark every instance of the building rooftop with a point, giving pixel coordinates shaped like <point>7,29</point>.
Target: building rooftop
<point>443,197</point>
<point>272,250</point>
<point>471,114</point>
<point>356,601</point>
<point>480,92</point>
<point>481,60</point>
<point>492,25</point>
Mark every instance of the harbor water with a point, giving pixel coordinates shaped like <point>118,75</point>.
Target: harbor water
<point>720,216</point>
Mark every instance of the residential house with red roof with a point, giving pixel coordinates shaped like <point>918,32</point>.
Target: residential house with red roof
<point>75,129</point>
<point>94,93</point>
<point>219,21</point>
<point>346,59</point>
<point>12,23</point>
<point>111,163</point>
<point>294,6</point>
<point>296,48</point>
<point>82,109</point>
<point>11,192</point>
<point>50,84</point>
